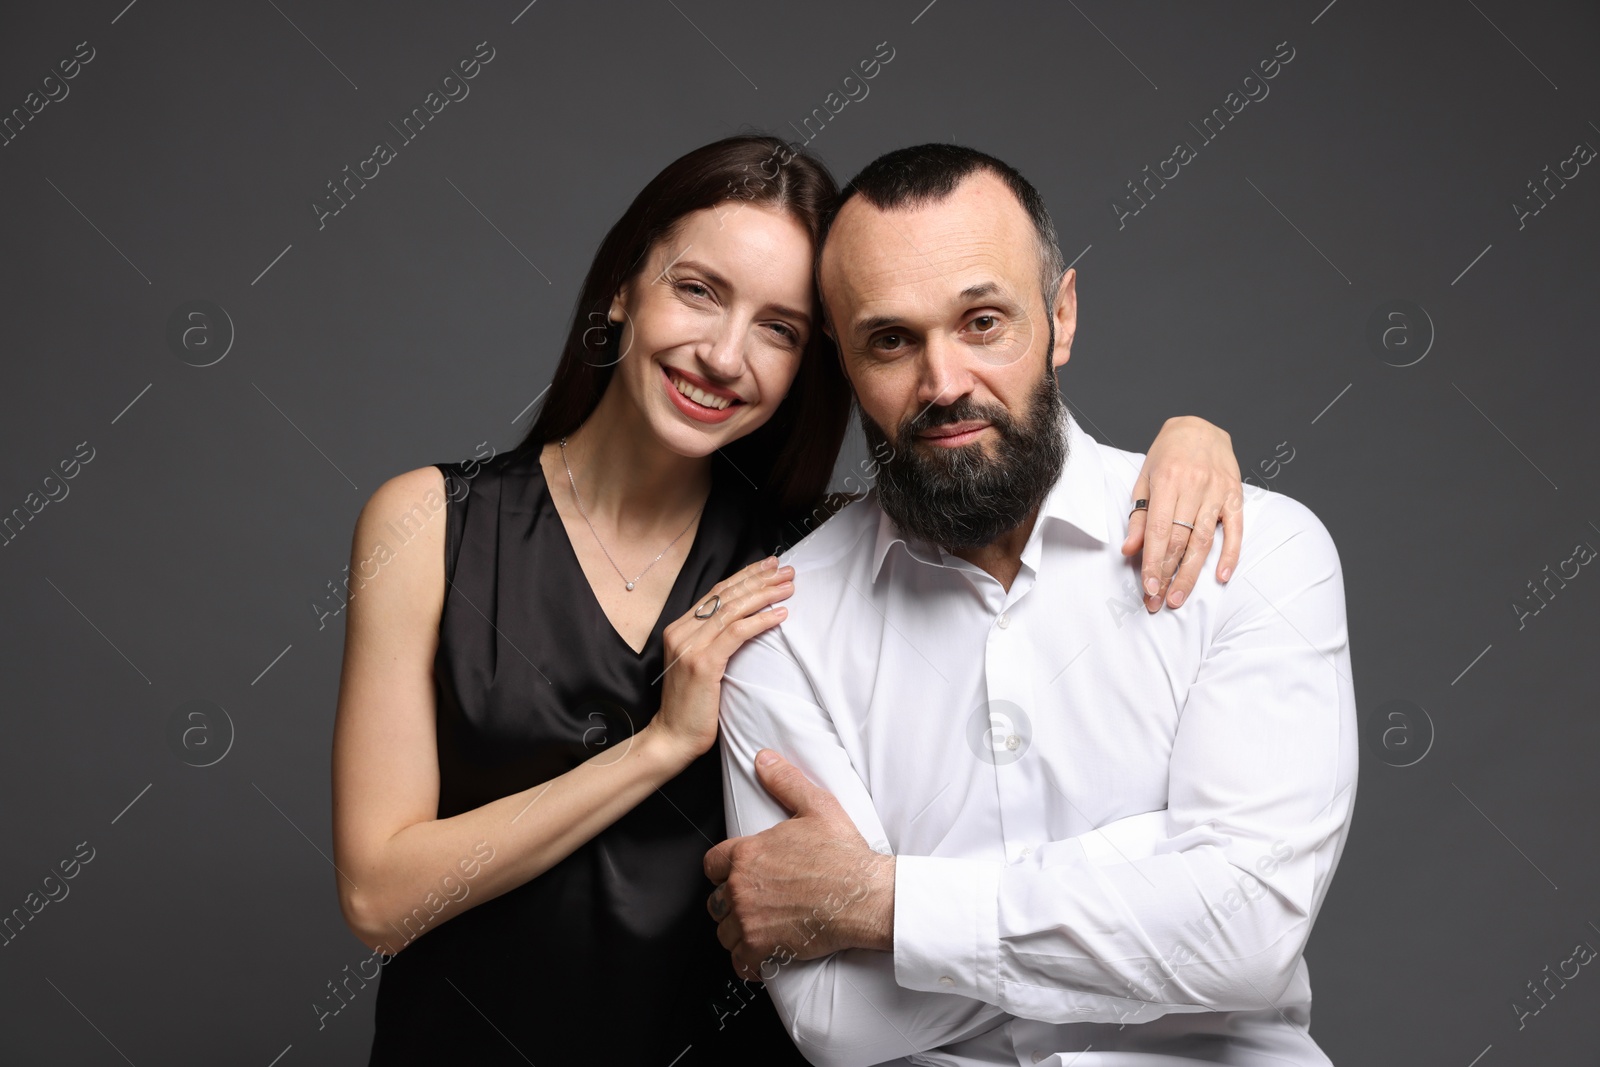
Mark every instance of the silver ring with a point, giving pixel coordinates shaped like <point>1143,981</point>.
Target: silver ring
<point>1139,505</point>
<point>709,608</point>
<point>1185,525</point>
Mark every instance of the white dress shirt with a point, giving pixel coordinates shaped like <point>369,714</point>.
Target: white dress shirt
<point>1113,830</point>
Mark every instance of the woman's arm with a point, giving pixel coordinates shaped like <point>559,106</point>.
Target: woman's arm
<point>393,855</point>
<point>1190,475</point>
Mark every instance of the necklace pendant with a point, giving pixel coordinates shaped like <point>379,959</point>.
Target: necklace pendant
<point>628,586</point>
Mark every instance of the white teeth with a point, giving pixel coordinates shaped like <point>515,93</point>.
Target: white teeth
<point>699,396</point>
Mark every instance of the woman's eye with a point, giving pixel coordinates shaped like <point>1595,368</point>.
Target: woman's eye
<point>693,289</point>
<point>786,331</point>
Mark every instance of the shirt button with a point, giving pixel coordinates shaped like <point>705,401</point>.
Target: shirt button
<point>1038,1057</point>
<point>1003,621</point>
<point>946,981</point>
<point>1013,742</point>
<point>1027,850</point>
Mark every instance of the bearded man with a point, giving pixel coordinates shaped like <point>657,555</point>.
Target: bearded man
<point>986,809</point>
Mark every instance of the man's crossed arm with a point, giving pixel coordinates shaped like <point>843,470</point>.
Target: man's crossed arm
<point>870,957</point>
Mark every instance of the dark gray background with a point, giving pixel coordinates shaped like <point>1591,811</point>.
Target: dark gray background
<point>186,560</point>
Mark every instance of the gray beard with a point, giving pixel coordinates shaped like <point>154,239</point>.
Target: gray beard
<point>959,498</point>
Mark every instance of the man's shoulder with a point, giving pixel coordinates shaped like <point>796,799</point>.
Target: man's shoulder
<point>1279,527</point>
<point>842,534</point>
<point>832,564</point>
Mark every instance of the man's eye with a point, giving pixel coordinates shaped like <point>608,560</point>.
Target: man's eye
<point>888,342</point>
<point>985,323</point>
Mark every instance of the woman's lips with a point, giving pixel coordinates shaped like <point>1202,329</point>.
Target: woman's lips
<point>697,411</point>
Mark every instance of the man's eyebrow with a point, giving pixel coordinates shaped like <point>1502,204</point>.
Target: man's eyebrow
<point>971,293</point>
<point>876,322</point>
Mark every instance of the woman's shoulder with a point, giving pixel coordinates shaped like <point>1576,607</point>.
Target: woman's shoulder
<point>399,491</point>
<point>424,491</point>
<point>487,466</point>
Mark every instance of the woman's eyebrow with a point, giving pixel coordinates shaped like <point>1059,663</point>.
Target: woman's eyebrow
<point>789,312</point>
<point>718,280</point>
<point>695,265</point>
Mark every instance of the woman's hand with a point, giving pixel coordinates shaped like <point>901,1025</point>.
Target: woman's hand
<point>1190,475</point>
<point>697,651</point>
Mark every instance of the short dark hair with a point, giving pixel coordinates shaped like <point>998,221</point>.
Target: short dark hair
<point>927,173</point>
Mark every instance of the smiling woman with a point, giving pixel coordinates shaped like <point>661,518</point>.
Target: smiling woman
<point>747,338</point>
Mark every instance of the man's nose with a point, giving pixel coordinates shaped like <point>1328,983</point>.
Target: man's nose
<point>944,374</point>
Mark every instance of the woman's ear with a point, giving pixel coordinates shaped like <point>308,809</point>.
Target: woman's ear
<point>618,311</point>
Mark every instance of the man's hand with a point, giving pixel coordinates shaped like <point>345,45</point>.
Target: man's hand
<point>802,889</point>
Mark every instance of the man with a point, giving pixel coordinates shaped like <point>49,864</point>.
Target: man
<point>1000,852</point>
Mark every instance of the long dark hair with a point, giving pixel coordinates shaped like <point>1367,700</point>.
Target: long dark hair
<point>790,458</point>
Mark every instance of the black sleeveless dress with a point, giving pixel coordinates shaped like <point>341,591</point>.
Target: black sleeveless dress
<point>609,957</point>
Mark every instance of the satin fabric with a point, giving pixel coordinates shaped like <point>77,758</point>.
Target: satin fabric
<point>609,956</point>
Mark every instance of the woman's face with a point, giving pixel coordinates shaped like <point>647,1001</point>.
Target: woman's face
<point>714,324</point>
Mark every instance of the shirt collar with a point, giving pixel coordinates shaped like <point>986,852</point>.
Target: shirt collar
<point>1077,499</point>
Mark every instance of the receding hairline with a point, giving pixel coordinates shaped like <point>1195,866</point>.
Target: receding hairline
<point>924,200</point>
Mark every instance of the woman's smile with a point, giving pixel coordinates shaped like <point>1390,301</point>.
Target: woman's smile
<point>696,398</point>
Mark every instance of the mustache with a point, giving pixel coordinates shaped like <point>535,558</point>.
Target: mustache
<point>963,410</point>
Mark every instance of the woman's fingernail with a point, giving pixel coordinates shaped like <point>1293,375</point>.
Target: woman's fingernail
<point>1227,572</point>
<point>1151,586</point>
<point>1177,597</point>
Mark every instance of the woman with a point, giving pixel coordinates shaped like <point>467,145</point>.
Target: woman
<point>524,781</point>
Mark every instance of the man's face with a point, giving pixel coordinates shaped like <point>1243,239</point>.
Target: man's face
<point>952,352</point>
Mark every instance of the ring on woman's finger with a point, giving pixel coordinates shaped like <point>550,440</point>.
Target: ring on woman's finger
<point>1186,525</point>
<point>709,608</point>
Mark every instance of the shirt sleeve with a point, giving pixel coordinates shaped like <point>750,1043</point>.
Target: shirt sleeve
<point>846,1008</point>
<point>1211,911</point>
<point>849,1008</point>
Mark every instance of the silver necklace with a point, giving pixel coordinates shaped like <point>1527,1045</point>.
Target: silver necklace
<point>626,584</point>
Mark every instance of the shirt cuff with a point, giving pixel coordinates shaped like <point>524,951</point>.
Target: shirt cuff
<point>947,926</point>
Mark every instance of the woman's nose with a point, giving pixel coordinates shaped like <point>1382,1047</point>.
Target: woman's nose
<point>724,355</point>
